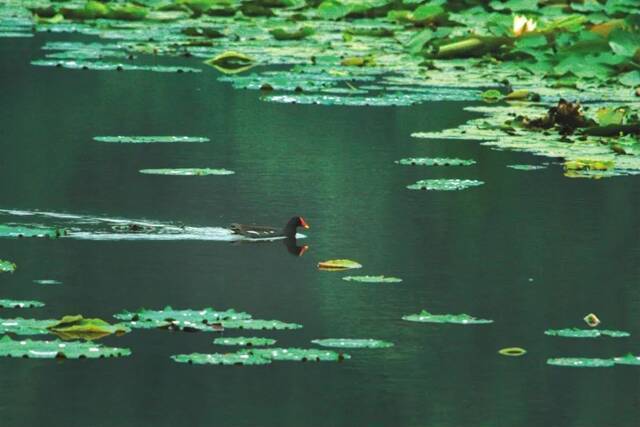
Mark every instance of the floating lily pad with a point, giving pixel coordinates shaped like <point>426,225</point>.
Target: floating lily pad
<point>149,139</point>
<point>27,231</point>
<point>512,351</point>
<point>77,327</point>
<point>628,359</point>
<point>258,324</point>
<point>231,62</point>
<point>9,303</point>
<point>299,355</point>
<point>464,319</point>
<point>372,279</point>
<point>435,161</point>
<point>244,341</point>
<point>585,333</point>
<point>7,266</point>
<point>581,362</point>
<point>57,349</point>
<point>187,172</point>
<point>81,64</point>
<point>338,264</point>
<point>444,184</point>
<point>47,282</point>
<point>352,343</point>
<point>206,315</point>
<point>240,358</point>
<point>526,167</point>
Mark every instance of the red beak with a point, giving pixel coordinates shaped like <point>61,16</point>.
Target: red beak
<point>303,223</point>
<point>303,250</point>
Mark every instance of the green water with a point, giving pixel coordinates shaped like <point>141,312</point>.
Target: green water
<point>530,250</point>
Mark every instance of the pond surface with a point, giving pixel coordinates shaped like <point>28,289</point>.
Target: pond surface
<point>531,250</point>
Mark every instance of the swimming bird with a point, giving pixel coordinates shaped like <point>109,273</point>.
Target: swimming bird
<point>261,232</point>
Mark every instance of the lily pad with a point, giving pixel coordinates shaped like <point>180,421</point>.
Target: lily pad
<point>244,341</point>
<point>187,172</point>
<point>628,359</point>
<point>168,314</point>
<point>338,264</point>
<point>47,282</point>
<point>7,230</point>
<point>299,355</point>
<point>581,362</point>
<point>20,326</point>
<point>9,303</point>
<point>352,343</point>
<point>77,327</point>
<point>258,324</point>
<point>512,351</point>
<point>435,161</point>
<point>231,62</point>
<point>372,279</point>
<point>240,358</point>
<point>526,167</point>
<point>585,333</point>
<point>444,184</point>
<point>149,139</point>
<point>7,266</point>
<point>57,349</point>
<point>463,319</point>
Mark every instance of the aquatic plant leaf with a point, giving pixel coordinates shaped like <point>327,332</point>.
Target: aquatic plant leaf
<point>435,161</point>
<point>244,341</point>
<point>526,167</point>
<point>149,139</point>
<point>628,359</point>
<point>168,314</point>
<point>444,184</point>
<point>632,78</point>
<point>299,354</point>
<point>8,230</point>
<point>9,303</point>
<point>58,349</point>
<point>187,172</point>
<point>77,327</point>
<point>581,362</point>
<point>585,333</point>
<point>512,351</point>
<point>295,34</point>
<point>426,317</point>
<point>258,324</point>
<point>81,64</point>
<point>491,95</point>
<point>338,264</point>
<point>231,62</point>
<point>592,320</point>
<point>352,343</point>
<point>7,266</point>
<point>624,43</point>
<point>239,358</point>
<point>20,326</point>
<point>47,282</point>
<point>372,279</point>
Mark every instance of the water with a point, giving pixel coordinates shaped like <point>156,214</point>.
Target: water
<point>531,250</point>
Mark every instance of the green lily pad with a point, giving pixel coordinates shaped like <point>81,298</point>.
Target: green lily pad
<point>82,64</point>
<point>435,161</point>
<point>581,362</point>
<point>187,172</point>
<point>206,315</point>
<point>352,343</point>
<point>585,333</point>
<point>244,341</point>
<point>7,230</point>
<point>257,324</point>
<point>7,266</point>
<point>338,264</point>
<point>231,62</point>
<point>57,349</point>
<point>296,34</point>
<point>444,184</point>
<point>463,319</point>
<point>20,326</point>
<point>9,303</point>
<point>47,282</point>
<point>240,358</point>
<point>526,167</point>
<point>628,359</point>
<point>299,355</point>
<point>149,139</point>
<point>372,279</point>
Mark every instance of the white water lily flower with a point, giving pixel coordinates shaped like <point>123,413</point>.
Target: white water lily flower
<point>522,24</point>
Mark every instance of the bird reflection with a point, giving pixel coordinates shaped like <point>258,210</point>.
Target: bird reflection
<point>293,248</point>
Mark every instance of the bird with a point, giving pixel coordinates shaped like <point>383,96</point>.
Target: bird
<point>261,232</point>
